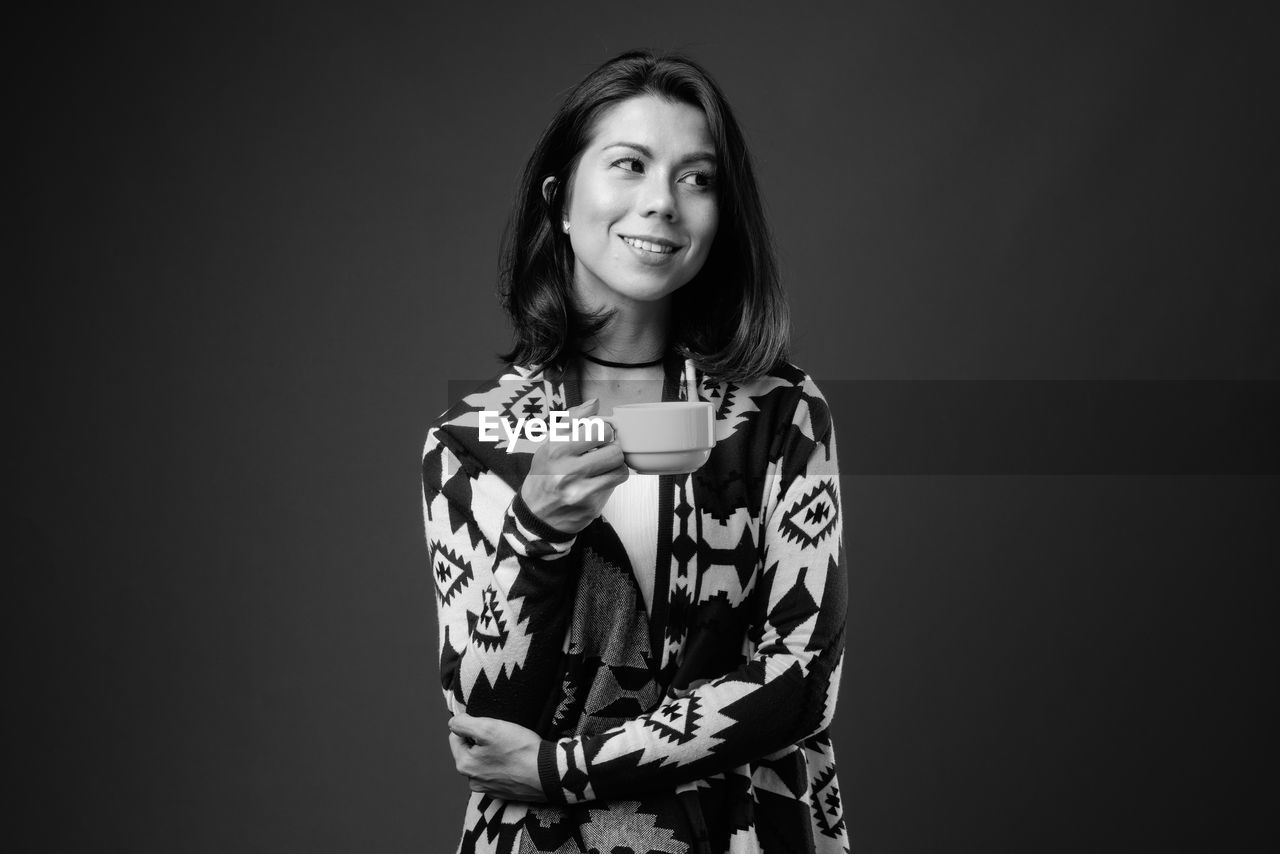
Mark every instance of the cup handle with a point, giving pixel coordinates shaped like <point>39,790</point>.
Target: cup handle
<point>613,425</point>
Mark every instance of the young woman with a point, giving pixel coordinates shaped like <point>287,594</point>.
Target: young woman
<point>641,662</point>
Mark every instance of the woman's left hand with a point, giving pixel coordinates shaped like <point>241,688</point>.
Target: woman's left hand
<point>498,757</point>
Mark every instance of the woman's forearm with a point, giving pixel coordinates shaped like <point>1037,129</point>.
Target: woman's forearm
<point>501,596</point>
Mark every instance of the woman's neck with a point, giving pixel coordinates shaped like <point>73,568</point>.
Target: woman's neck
<point>633,334</point>
<point>630,337</point>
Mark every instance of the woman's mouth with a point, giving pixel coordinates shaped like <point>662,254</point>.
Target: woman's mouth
<point>646,246</point>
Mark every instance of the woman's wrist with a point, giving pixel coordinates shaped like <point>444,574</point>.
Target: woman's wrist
<point>536,522</point>
<point>549,774</point>
<point>531,537</point>
<point>562,768</point>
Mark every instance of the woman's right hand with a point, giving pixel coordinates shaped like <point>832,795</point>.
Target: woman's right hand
<point>569,482</point>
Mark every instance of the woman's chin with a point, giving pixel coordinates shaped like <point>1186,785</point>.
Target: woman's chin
<point>645,291</point>
<point>623,284</point>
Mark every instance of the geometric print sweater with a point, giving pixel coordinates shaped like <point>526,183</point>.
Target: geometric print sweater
<point>699,727</point>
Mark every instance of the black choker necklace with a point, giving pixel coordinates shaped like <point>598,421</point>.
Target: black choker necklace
<point>608,364</point>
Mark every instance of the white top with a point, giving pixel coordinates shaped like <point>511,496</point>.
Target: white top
<point>632,511</point>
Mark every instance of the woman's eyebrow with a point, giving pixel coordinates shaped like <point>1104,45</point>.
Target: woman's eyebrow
<point>708,156</point>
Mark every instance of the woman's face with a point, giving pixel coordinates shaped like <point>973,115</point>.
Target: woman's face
<point>642,203</point>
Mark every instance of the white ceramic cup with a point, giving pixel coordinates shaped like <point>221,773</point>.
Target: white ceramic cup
<point>671,437</point>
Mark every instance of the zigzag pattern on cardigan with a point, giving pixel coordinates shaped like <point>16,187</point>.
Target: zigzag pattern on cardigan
<point>700,728</point>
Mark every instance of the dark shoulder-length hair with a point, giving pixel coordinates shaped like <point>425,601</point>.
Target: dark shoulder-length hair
<point>731,319</point>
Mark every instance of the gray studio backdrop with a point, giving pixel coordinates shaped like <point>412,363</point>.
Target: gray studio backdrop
<point>262,243</point>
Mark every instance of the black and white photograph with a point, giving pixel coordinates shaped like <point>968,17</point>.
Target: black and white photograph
<point>678,428</point>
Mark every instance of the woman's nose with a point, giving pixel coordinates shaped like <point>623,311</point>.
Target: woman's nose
<point>659,198</point>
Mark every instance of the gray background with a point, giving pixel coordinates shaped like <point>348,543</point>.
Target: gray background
<point>254,246</point>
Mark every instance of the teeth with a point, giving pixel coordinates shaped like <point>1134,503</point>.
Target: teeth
<point>649,247</point>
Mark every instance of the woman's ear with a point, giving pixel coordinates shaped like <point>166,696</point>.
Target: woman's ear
<point>549,188</point>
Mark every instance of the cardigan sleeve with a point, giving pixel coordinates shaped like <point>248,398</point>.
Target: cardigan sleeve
<point>786,691</point>
<point>501,576</point>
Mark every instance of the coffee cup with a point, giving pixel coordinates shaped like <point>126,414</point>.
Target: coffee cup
<point>671,437</point>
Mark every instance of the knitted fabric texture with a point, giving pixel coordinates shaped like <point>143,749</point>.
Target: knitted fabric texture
<point>700,728</point>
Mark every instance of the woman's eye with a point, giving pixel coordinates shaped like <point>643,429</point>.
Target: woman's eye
<point>630,162</point>
<point>700,179</point>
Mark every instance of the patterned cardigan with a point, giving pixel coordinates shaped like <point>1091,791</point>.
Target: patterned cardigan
<point>700,728</point>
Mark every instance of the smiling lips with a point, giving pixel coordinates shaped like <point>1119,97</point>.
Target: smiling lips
<point>661,247</point>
